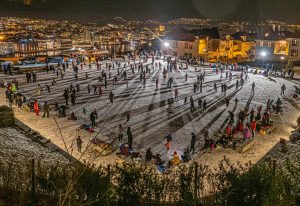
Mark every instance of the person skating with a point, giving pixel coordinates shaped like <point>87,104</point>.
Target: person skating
<point>130,138</point>
<point>193,142</point>
<point>242,116</point>
<point>231,117</point>
<point>93,117</point>
<point>46,110</point>
<point>128,117</point>
<point>169,139</point>
<point>66,96</point>
<point>200,103</point>
<point>73,97</point>
<point>111,97</point>
<point>121,131</point>
<point>176,94</point>
<point>48,88</point>
<point>100,91</point>
<point>253,87</point>
<point>204,105</point>
<point>283,88</point>
<point>227,101</point>
<point>36,107</point>
<point>192,104</point>
<point>79,143</point>
<point>253,128</point>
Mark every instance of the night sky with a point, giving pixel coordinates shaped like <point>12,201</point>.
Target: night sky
<point>163,10</point>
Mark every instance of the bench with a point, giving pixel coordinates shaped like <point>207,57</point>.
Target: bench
<point>245,147</point>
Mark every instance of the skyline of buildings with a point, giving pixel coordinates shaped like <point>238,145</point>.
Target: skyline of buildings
<point>20,37</point>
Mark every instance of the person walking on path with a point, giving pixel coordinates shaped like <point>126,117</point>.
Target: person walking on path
<point>79,143</point>
<point>46,110</point>
<point>193,142</point>
<point>283,88</point>
<point>130,138</point>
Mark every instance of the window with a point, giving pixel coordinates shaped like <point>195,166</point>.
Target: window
<point>191,46</point>
<point>269,44</point>
<point>295,42</point>
<point>175,44</point>
<point>294,52</point>
<point>186,45</point>
<point>261,44</point>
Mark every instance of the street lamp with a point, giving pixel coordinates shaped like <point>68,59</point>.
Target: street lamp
<point>263,54</point>
<point>166,44</point>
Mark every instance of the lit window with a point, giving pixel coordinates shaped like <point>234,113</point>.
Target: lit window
<point>261,44</point>
<point>295,42</point>
<point>294,52</point>
<point>186,45</point>
<point>269,44</point>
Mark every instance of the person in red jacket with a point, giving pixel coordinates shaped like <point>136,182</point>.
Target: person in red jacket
<point>228,130</point>
<point>36,107</point>
<point>253,128</point>
<point>239,127</point>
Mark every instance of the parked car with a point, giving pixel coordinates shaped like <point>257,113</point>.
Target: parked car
<point>28,60</point>
<point>4,62</point>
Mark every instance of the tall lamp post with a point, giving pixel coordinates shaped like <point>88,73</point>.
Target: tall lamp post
<point>263,54</point>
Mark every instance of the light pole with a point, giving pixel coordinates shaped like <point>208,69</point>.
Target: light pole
<point>263,54</point>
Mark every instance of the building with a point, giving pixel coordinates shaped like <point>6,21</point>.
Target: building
<point>42,47</point>
<point>7,48</point>
<point>272,45</point>
<point>180,43</point>
<point>294,46</point>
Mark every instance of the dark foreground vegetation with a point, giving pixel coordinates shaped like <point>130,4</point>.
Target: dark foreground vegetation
<point>135,184</point>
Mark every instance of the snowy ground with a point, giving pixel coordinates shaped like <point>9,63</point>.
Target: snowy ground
<point>15,147</point>
<point>150,121</point>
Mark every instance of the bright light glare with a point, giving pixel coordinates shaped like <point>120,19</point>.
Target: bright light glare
<point>263,54</point>
<point>166,44</point>
<point>282,58</point>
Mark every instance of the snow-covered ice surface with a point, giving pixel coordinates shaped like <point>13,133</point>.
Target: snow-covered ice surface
<point>150,120</point>
<point>17,147</point>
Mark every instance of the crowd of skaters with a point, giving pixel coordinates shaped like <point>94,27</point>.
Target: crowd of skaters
<point>248,128</point>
